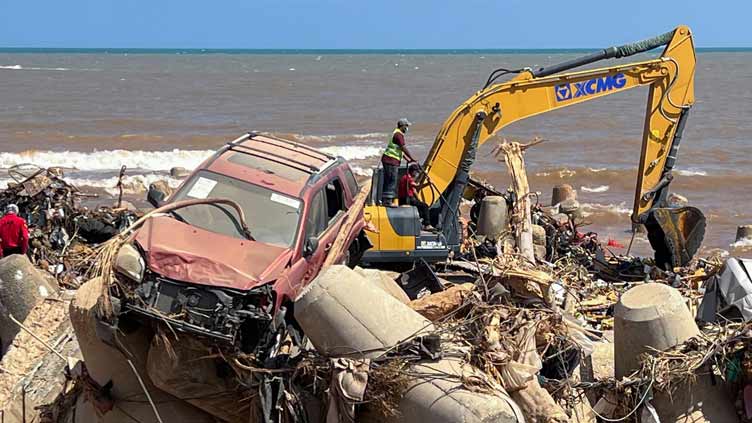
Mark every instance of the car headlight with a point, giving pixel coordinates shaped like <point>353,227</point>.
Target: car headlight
<point>129,263</point>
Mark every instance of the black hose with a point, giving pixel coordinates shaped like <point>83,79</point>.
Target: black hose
<point>607,53</point>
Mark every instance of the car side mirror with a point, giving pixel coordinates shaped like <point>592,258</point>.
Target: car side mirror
<point>155,196</point>
<point>310,247</point>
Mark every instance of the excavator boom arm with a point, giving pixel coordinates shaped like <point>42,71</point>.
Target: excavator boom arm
<point>670,79</point>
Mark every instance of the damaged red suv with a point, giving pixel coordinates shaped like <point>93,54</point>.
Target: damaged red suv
<point>200,271</point>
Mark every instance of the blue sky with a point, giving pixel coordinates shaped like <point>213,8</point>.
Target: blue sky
<point>360,24</point>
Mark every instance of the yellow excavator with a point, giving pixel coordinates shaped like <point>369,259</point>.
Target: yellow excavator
<point>674,234</point>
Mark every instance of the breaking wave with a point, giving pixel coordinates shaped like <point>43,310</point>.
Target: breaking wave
<point>691,172</point>
<point>598,189</point>
<point>108,159</point>
<point>353,152</point>
<point>35,68</point>
<point>619,209</point>
<point>132,184</point>
<point>742,243</point>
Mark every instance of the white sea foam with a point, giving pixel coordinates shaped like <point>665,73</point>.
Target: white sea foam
<point>360,171</point>
<point>600,188</point>
<point>620,208</point>
<point>742,243</point>
<point>108,159</point>
<point>132,184</point>
<point>596,169</point>
<point>19,67</point>
<point>353,152</point>
<point>691,172</point>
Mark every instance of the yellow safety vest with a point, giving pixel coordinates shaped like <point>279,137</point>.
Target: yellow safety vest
<point>393,149</point>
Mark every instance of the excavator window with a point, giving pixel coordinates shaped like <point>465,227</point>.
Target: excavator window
<point>335,200</point>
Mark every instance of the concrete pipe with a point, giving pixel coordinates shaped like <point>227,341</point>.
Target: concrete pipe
<point>106,363</point>
<point>22,286</point>
<point>743,232</point>
<point>561,193</point>
<point>492,219</point>
<point>649,316</point>
<point>436,394</point>
<point>345,315</point>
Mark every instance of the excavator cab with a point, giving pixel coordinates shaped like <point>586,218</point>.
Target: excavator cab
<point>400,237</point>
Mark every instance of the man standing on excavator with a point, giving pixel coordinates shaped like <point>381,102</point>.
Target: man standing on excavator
<point>391,161</point>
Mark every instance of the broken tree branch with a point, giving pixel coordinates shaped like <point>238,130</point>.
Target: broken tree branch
<point>512,154</point>
<point>351,217</point>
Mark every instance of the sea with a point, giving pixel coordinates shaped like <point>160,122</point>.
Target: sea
<point>93,111</point>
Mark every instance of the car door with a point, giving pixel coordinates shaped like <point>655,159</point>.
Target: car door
<point>329,206</point>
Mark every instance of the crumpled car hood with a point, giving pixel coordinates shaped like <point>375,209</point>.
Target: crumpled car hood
<point>186,253</point>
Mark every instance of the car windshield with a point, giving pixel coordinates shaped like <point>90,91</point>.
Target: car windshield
<point>272,217</point>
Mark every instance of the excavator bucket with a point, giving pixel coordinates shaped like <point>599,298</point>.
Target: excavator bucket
<point>675,235</point>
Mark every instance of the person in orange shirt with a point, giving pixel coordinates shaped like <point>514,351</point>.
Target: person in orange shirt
<point>14,233</point>
<point>407,193</point>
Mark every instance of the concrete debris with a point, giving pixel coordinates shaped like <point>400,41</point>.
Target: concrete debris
<point>532,321</point>
<point>649,317</point>
<point>23,287</point>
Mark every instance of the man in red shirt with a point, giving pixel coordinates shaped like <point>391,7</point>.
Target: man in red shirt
<point>14,234</point>
<point>408,194</point>
<point>391,161</point>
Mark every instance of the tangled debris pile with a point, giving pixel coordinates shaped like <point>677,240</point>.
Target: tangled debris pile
<point>62,231</point>
<point>523,340</point>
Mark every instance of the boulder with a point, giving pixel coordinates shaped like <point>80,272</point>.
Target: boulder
<point>179,172</point>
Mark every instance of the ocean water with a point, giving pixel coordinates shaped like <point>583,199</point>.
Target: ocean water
<point>95,111</point>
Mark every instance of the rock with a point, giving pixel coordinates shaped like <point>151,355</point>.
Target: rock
<point>159,192</point>
<point>179,172</point>
<point>435,306</point>
<point>22,286</point>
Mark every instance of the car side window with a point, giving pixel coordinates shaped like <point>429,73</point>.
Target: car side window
<point>352,184</point>
<point>335,199</point>
<point>317,219</point>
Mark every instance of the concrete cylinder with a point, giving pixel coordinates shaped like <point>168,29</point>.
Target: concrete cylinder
<point>104,363</point>
<point>561,193</point>
<point>438,395</point>
<point>649,316</point>
<point>345,315</point>
<point>743,232</point>
<point>22,286</point>
<point>492,219</point>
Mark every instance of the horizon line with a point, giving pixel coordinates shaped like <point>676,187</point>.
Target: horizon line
<point>231,50</point>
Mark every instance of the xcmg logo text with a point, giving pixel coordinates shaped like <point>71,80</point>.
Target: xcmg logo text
<point>596,85</point>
